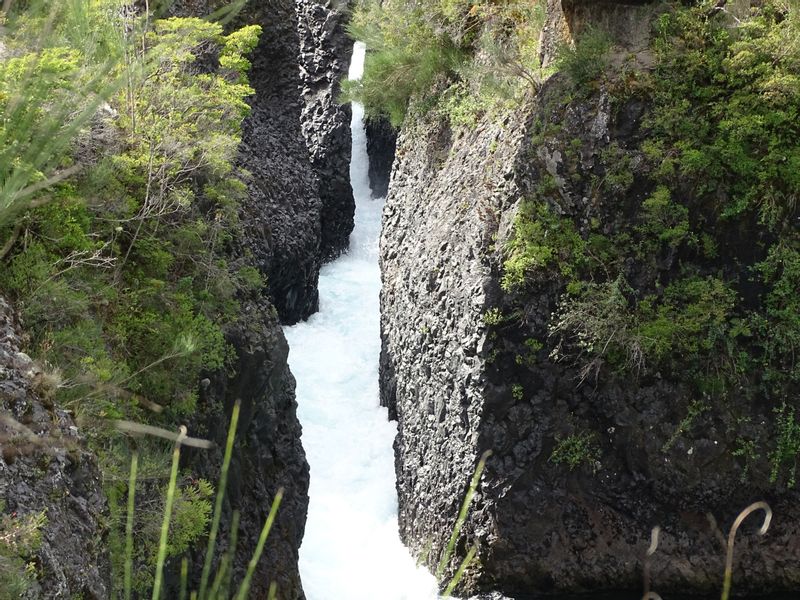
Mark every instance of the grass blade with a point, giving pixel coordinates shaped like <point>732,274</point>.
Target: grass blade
<point>460,573</point>
<point>726,586</point>
<point>129,525</point>
<point>273,591</point>
<point>162,544</point>
<point>462,515</point>
<point>244,588</point>
<point>223,481</point>
<point>225,572</point>
<point>184,578</point>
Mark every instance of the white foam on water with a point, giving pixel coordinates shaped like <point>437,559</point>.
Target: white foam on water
<point>351,549</point>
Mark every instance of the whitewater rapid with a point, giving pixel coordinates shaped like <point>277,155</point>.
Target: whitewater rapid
<point>351,549</point>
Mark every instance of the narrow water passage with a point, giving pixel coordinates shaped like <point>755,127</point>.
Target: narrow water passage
<point>351,549</point>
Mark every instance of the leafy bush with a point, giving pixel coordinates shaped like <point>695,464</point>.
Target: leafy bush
<point>120,265</point>
<point>587,59</point>
<point>20,537</point>
<point>575,450</point>
<point>466,57</point>
<point>406,56</point>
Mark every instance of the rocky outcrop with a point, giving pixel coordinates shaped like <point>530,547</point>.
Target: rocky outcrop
<point>267,454</point>
<point>381,145</point>
<point>325,51</point>
<point>448,191</point>
<point>45,467</point>
<point>461,380</point>
<point>283,203</point>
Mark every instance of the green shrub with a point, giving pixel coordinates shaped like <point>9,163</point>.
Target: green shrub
<point>575,450</point>
<point>787,445</point>
<point>20,537</point>
<point>587,59</point>
<point>405,57</point>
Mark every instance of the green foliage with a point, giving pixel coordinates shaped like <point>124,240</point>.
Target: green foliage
<point>20,537</point>
<point>664,220</point>
<point>119,266</point>
<point>696,409</point>
<point>484,55</point>
<point>587,59</point>
<point>726,105</point>
<point>406,57</point>
<point>493,317</point>
<point>59,70</point>
<point>191,515</point>
<point>127,294</point>
<point>541,239</point>
<point>577,449</point>
<point>698,279</point>
<point>787,445</point>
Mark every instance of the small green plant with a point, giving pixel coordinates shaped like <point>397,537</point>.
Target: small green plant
<point>575,450</point>
<point>587,59</point>
<point>517,392</point>
<point>745,449</point>
<point>493,317</point>
<point>20,537</point>
<point>787,446</point>
<point>541,239</point>
<point>696,409</point>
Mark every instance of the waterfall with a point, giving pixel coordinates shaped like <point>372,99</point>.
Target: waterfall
<point>351,549</point>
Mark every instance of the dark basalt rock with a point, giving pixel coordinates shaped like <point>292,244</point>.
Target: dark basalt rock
<point>541,529</point>
<point>46,466</point>
<point>267,454</point>
<point>381,145</point>
<point>283,206</point>
<point>325,52</point>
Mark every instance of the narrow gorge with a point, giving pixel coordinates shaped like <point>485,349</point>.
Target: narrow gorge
<point>503,299</point>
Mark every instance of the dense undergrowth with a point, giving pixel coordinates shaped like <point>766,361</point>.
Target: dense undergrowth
<point>118,208</point>
<point>689,265</point>
<point>459,58</point>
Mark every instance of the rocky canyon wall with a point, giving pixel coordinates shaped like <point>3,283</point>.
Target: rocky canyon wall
<point>297,212</point>
<point>325,51</point>
<point>46,468</point>
<point>469,367</point>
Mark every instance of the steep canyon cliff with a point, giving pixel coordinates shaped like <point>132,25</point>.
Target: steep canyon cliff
<point>485,349</point>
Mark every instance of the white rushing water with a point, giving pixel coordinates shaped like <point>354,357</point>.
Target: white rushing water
<point>351,549</point>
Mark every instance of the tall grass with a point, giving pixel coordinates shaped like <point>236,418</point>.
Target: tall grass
<point>220,582</point>
<point>459,524</point>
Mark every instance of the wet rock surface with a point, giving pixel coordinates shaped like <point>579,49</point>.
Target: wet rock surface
<point>325,51</point>
<point>46,466</point>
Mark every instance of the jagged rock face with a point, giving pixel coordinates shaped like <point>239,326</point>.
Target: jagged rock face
<point>381,145</point>
<point>45,466</point>
<point>451,382</point>
<point>283,203</point>
<point>446,193</point>
<point>267,454</point>
<point>325,52</point>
